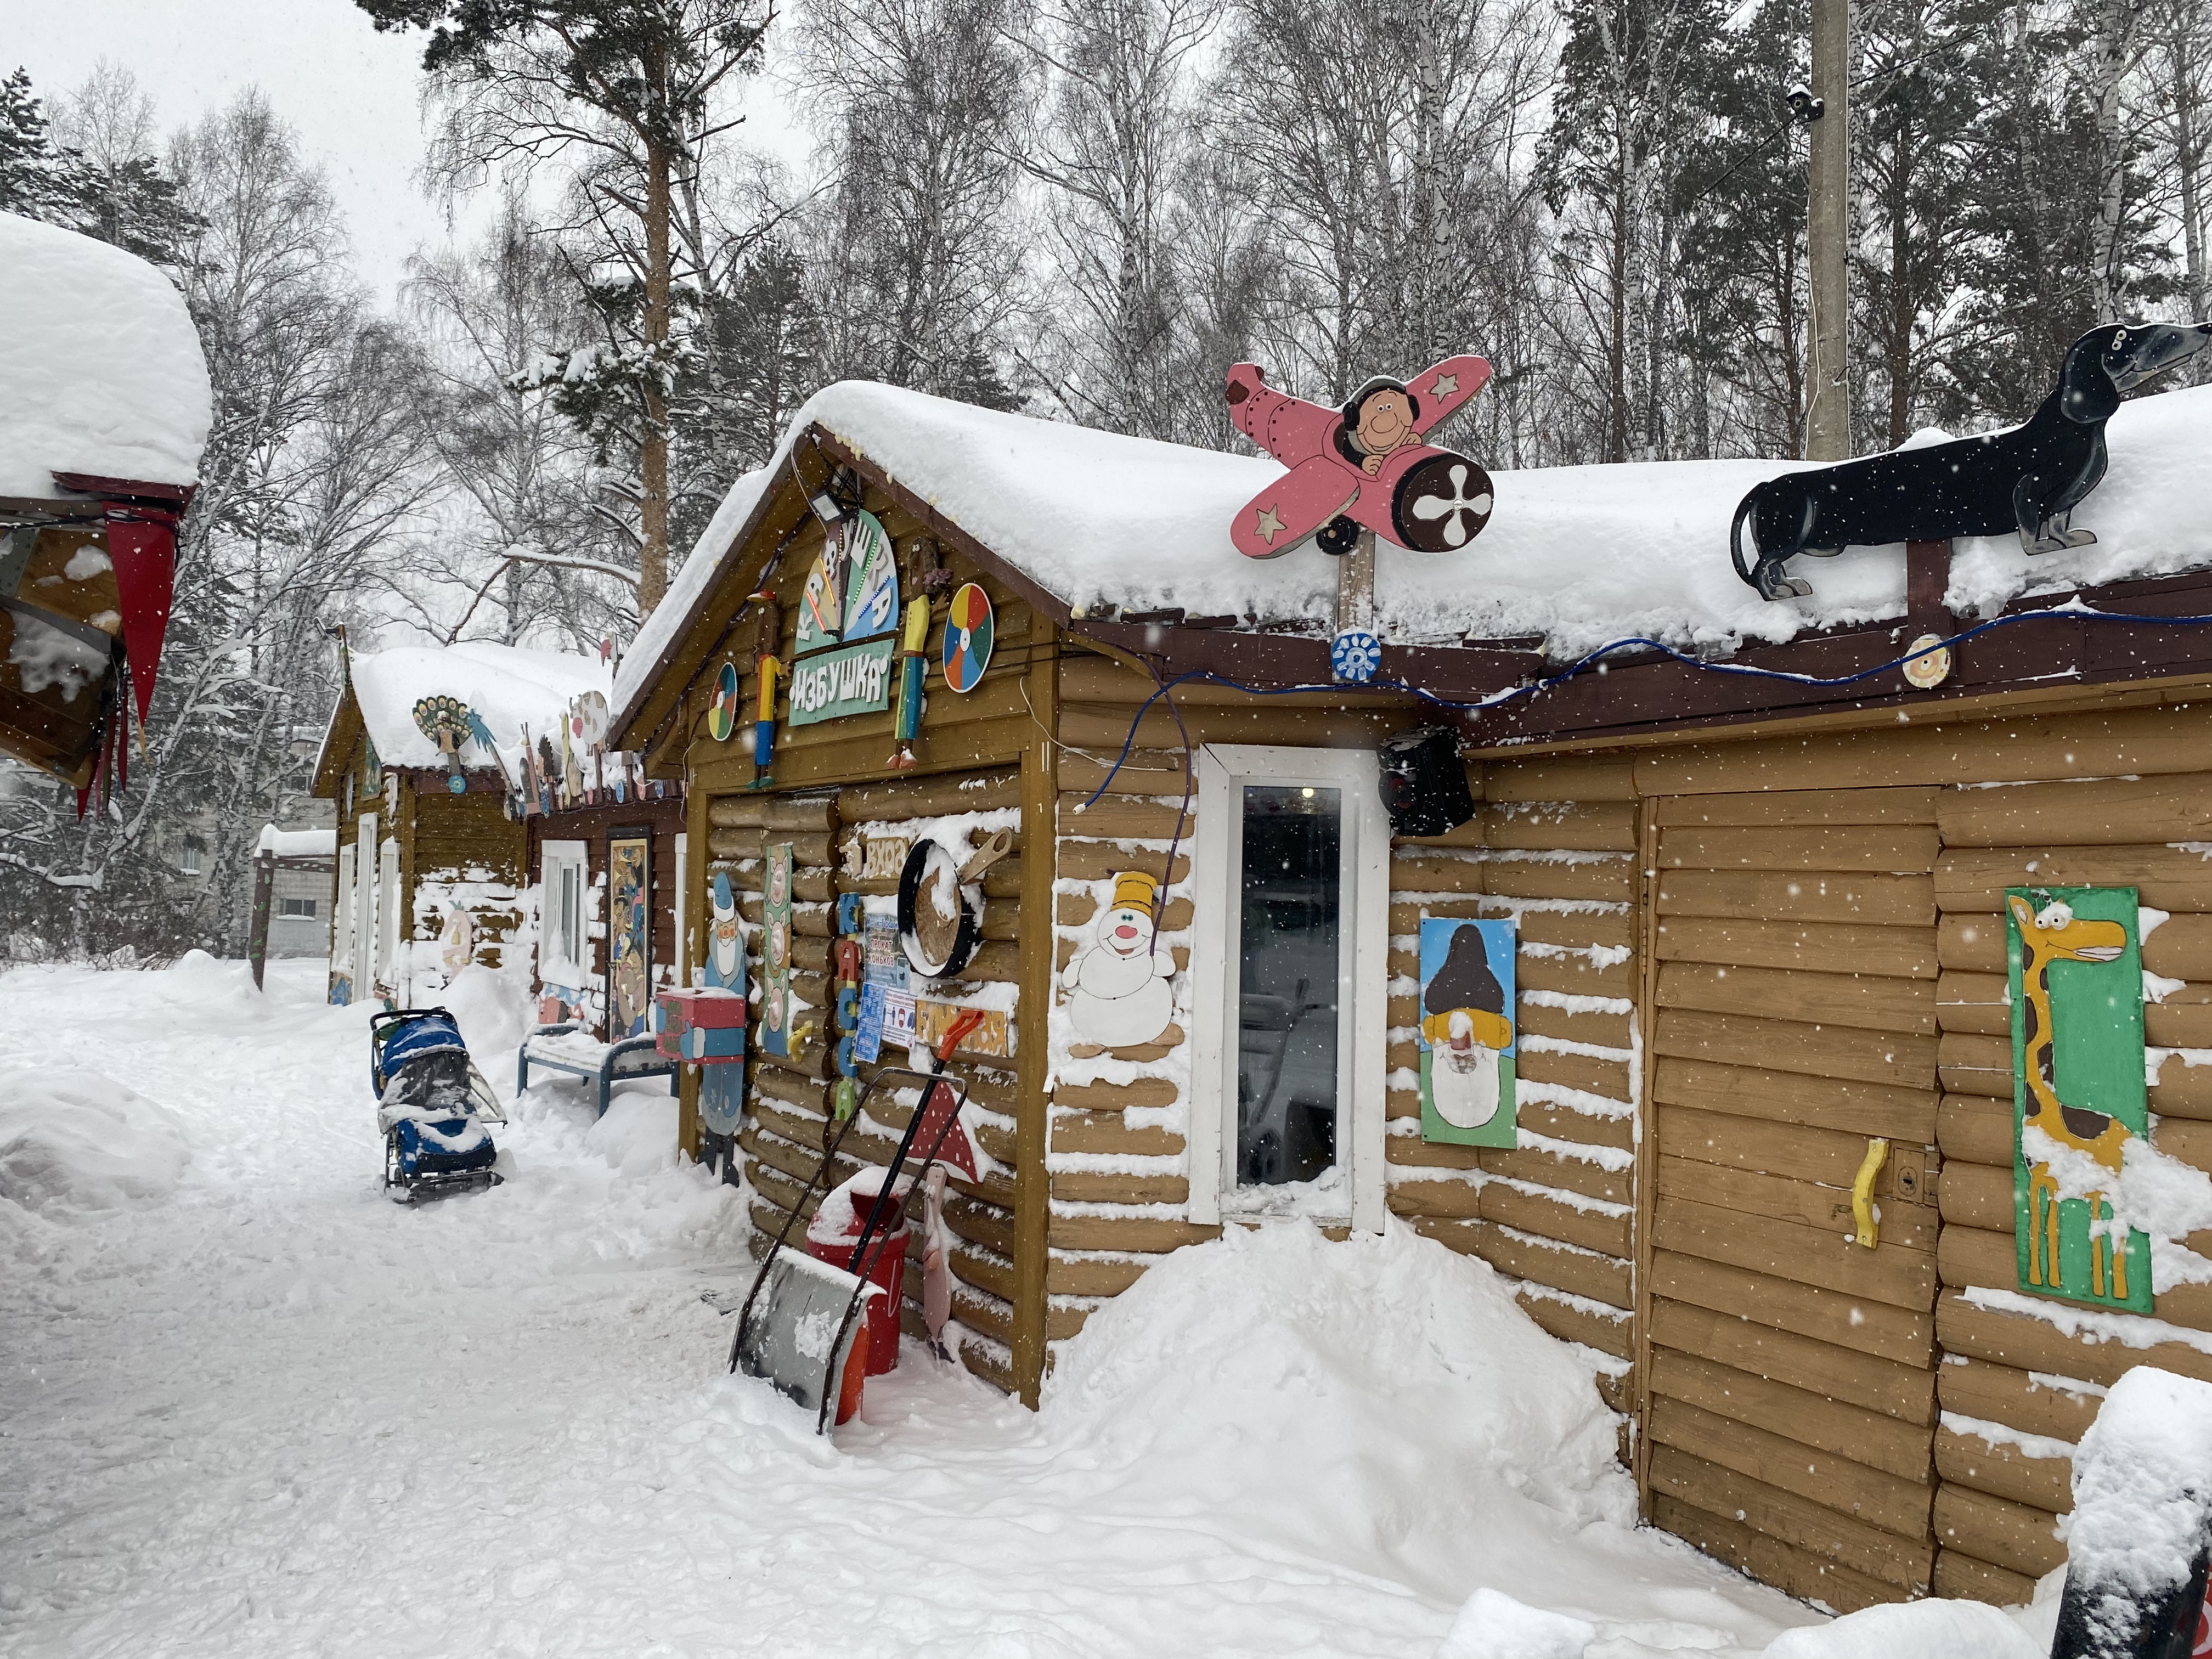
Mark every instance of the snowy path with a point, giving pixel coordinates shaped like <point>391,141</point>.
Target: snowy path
<point>274,1413</point>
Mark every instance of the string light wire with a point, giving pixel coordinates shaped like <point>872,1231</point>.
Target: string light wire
<point>2075,610</point>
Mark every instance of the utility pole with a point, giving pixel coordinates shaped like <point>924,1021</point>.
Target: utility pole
<point>1828,398</point>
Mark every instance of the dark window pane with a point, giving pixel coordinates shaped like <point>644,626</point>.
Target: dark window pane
<point>1287,968</point>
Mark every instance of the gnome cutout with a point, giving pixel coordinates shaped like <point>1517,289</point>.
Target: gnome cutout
<point>725,940</point>
<point>1118,996</point>
<point>1463,1018</point>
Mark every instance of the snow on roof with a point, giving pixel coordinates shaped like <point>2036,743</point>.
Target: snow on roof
<point>102,363</point>
<point>297,843</point>
<point>1578,555</point>
<point>717,542</point>
<point>507,686</point>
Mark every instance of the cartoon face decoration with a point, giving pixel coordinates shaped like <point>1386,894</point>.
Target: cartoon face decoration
<point>726,945</point>
<point>1126,931</point>
<point>1379,420</point>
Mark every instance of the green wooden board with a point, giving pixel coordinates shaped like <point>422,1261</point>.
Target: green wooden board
<point>855,680</point>
<point>2076,952</point>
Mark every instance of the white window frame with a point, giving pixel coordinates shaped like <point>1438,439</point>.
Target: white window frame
<point>387,939</point>
<point>681,972</point>
<point>554,965</point>
<point>342,915</point>
<point>366,844</point>
<point>1218,860</point>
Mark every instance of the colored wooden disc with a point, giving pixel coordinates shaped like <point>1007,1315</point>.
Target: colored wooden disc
<point>968,630</point>
<point>722,711</point>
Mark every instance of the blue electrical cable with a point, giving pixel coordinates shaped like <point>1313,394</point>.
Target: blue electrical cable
<point>1499,700</point>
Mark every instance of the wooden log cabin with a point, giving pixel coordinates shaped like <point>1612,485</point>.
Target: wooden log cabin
<point>1760,935</point>
<point>109,407</point>
<point>431,848</point>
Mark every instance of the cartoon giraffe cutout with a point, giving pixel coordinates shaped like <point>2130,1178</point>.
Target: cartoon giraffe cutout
<point>2067,938</point>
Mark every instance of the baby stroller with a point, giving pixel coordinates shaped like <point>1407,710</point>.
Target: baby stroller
<point>432,1105</point>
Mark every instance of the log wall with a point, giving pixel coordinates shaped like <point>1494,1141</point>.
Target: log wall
<point>828,783</point>
<point>1554,1213</point>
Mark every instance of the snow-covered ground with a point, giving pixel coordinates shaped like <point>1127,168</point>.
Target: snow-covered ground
<point>248,1407</point>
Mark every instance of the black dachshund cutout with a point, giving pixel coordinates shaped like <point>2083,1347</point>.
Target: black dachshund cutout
<point>2028,479</point>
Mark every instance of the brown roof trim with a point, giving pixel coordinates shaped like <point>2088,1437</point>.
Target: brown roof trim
<point>1638,698</point>
<point>662,689</point>
<point>642,727</point>
<point>345,715</point>
<point>1037,597</point>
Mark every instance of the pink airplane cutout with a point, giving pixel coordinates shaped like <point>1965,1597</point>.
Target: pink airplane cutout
<point>1361,466</point>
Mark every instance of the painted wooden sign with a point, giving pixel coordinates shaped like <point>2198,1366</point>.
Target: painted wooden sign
<point>722,711</point>
<point>970,629</point>
<point>775,953</point>
<point>1119,991</point>
<point>871,581</point>
<point>1468,1043</point>
<point>854,680</point>
<point>630,933</point>
<point>875,857</point>
<point>2074,968</point>
<point>851,591</point>
<point>722,1089</point>
<point>1361,466</point>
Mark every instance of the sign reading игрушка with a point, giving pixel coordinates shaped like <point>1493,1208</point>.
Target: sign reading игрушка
<point>856,680</point>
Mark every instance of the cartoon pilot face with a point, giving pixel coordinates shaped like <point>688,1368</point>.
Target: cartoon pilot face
<point>1386,422</point>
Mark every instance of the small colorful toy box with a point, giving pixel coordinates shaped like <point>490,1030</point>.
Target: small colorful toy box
<point>706,1025</point>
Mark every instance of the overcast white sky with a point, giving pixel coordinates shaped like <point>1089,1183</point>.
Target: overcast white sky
<point>349,92</point>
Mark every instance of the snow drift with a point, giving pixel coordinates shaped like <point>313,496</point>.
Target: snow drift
<point>74,1144</point>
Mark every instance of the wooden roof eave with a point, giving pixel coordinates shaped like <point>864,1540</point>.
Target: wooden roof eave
<point>645,728</point>
<point>2045,662</point>
<point>338,740</point>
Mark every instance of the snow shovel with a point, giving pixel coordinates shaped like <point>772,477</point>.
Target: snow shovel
<point>799,1324</point>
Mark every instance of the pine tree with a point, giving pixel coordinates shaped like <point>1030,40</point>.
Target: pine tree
<point>30,174</point>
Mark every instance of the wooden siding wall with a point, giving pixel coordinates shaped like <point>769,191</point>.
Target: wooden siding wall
<point>466,841</point>
<point>2118,797</point>
<point>2004,1376</point>
<point>1554,847</point>
<point>593,825</point>
<point>1792,1372</point>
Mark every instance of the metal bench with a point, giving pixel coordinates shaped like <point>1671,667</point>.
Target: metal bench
<point>631,1057</point>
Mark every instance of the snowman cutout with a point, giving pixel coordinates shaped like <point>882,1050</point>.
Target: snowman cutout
<point>1463,1018</point>
<point>1118,991</point>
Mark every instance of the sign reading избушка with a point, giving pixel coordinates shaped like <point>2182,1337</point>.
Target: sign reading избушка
<point>856,680</point>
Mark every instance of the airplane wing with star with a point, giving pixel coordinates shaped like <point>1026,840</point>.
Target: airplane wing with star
<point>1442,389</point>
<point>1294,506</point>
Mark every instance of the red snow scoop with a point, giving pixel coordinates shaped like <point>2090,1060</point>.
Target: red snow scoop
<point>800,1329</point>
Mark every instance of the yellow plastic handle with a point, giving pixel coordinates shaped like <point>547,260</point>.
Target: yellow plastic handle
<point>1862,1191</point>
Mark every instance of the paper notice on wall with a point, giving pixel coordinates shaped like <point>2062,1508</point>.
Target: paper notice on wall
<point>886,961</point>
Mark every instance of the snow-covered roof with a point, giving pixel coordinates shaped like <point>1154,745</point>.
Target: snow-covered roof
<point>101,364</point>
<point>297,843</point>
<point>709,556</point>
<point>1578,555</point>
<point>509,687</point>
